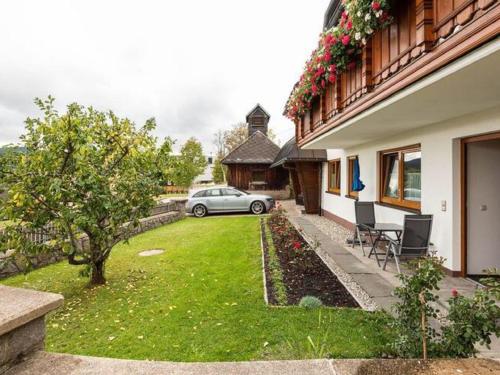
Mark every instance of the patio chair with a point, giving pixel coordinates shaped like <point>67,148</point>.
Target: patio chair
<point>365,218</point>
<point>414,242</point>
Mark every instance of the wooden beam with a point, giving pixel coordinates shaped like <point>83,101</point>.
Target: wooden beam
<point>366,67</point>
<point>424,24</point>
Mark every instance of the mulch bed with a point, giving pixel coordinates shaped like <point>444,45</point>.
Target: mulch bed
<point>304,273</point>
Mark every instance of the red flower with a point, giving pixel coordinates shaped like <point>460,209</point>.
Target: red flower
<point>332,68</point>
<point>297,245</point>
<point>454,293</point>
<point>314,89</point>
<point>344,14</point>
<point>323,83</point>
<point>346,39</point>
<point>349,25</point>
<point>332,78</point>
<point>327,56</point>
<point>375,5</point>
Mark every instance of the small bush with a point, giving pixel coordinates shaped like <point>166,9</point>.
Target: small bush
<point>470,320</point>
<point>310,302</point>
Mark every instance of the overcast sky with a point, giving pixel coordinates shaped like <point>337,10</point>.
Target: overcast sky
<point>196,66</point>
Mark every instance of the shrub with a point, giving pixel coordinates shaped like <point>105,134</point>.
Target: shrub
<point>414,309</point>
<point>470,320</point>
<point>310,302</point>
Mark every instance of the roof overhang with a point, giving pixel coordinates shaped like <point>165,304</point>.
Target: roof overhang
<point>469,84</point>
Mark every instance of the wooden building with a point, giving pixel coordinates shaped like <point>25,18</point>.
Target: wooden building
<point>419,118</point>
<point>305,173</point>
<point>249,163</point>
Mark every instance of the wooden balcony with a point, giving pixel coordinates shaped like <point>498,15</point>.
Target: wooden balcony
<point>425,36</point>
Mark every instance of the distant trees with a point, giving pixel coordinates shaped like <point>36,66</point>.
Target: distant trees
<point>83,172</point>
<point>218,172</point>
<point>189,164</point>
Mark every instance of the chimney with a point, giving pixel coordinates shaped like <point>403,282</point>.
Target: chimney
<point>257,119</point>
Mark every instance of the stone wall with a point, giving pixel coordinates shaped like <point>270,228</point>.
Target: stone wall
<point>22,326</point>
<point>163,213</point>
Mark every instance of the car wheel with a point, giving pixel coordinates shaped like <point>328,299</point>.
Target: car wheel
<point>199,210</point>
<point>257,208</point>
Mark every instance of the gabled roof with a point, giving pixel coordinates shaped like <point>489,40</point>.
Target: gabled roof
<point>290,152</point>
<point>257,108</point>
<point>257,149</point>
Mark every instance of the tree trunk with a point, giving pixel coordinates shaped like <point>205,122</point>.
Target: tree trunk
<point>97,276</point>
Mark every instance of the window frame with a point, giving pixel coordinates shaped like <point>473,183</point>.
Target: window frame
<point>258,171</point>
<point>399,201</point>
<point>350,176</point>
<point>330,189</point>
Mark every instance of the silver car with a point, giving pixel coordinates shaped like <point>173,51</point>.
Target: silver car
<point>227,199</point>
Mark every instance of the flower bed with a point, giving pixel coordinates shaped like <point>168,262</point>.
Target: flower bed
<point>302,270</point>
<point>339,49</point>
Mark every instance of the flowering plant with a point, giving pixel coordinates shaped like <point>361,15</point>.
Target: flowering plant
<point>337,51</point>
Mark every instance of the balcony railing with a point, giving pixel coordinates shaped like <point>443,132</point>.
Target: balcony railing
<point>401,54</point>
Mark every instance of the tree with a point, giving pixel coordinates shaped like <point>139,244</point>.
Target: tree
<point>189,164</point>
<point>218,173</point>
<point>219,144</point>
<point>235,136</point>
<point>84,172</point>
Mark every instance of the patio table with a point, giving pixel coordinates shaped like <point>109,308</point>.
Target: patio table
<point>381,229</point>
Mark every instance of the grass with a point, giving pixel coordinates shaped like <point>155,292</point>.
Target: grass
<point>202,300</point>
<point>275,269</point>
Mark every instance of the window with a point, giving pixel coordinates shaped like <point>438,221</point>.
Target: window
<point>334,176</point>
<point>231,192</point>
<point>258,175</point>
<point>200,194</point>
<point>350,176</point>
<point>213,193</point>
<point>400,172</point>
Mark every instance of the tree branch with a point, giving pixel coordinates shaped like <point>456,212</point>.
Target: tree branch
<point>77,262</point>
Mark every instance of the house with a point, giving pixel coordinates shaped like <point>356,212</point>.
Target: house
<point>249,163</point>
<point>305,173</point>
<point>420,114</point>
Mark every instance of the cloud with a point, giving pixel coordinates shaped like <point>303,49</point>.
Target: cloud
<point>195,66</point>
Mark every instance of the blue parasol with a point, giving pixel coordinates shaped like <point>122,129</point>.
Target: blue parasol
<point>357,184</point>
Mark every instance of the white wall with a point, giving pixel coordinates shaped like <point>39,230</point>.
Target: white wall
<point>440,177</point>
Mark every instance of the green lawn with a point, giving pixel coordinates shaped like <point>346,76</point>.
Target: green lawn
<point>202,300</point>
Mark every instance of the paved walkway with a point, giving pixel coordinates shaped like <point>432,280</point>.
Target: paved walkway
<point>57,364</point>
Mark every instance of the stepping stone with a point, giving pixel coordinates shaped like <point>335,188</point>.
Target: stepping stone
<point>149,253</point>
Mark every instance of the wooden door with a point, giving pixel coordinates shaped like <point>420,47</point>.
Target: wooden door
<point>310,183</point>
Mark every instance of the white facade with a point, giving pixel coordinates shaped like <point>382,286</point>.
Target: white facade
<point>440,145</point>
<point>459,101</point>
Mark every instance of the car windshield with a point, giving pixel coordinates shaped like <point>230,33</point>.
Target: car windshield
<point>243,191</point>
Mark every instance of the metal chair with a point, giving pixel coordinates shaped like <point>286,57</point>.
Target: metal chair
<point>415,239</point>
<point>365,218</point>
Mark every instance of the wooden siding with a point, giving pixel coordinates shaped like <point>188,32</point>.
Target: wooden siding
<point>394,58</point>
<point>240,176</point>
